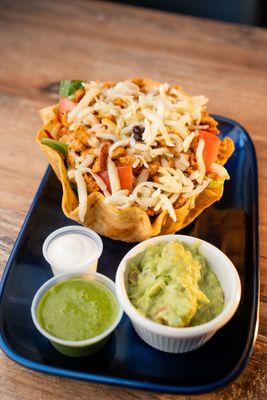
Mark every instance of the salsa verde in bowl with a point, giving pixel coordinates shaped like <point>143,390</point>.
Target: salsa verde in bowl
<point>178,291</point>
<point>77,312</point>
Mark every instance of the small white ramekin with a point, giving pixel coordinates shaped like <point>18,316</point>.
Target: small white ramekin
<point>181,340</point>
<point>89,266</point>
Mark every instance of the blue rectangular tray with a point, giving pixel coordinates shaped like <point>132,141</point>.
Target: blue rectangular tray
<point>231,224</point>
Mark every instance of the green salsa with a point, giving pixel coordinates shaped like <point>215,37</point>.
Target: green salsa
<point>77,309</point>
<point>173,285</point>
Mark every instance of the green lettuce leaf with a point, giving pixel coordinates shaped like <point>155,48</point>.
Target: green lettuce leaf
<point>67,88</point>
<point>56,145</point>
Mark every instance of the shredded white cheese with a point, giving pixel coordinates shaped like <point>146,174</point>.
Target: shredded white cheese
<point>142,177</point>
<point>188,140</point>
<point>118,144</point>
<point>87,98</point>
<point>166,204</point>
<point>219,170</point>
<point>198,189</point>
<point>119,199</point>
<point>86,162</point>
<point>100,183</point>
<point>82,193</point>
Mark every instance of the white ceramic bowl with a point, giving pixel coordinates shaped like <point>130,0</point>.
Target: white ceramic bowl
<point>181,340</point>
<point>79,348</point>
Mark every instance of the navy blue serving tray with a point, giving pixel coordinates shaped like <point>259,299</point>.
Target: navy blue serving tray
<point>231,224</point>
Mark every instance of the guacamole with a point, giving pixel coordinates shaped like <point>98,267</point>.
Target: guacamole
<point>77,309</point>
<point>174,285</point>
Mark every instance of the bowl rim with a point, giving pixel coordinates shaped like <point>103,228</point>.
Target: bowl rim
<point>180,332</point>
<point>62,277</point>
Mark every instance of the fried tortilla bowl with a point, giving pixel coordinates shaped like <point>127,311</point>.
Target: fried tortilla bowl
<point>130,224</point>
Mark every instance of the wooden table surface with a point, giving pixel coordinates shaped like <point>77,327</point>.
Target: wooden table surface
<point>44,41</point>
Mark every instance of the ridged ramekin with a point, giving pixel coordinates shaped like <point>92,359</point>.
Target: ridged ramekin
<point>181,340</point>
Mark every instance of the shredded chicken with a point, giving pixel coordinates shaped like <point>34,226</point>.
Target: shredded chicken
<point>125,160</point>
<point>81,134</point>
<point>63,119</point>
<point>74,143</point>
<point>171,163</point>
<point>62,131</point>
<point>119,152</point>
<point>179,203</point>
<point>192,157</point>
<point>154,166</point>
<point>206,119</point>
<point>100,163</point>
<point>151,212</point>
<point>91,184</point>
<point>120,103</point>
<point>78,95</point>
<point>226,147</point>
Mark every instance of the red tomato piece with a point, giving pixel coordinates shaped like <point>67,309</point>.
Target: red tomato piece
<point>125,175</point>
<point>65,105</point>
<point>104,175</point>
<point>211,147</point>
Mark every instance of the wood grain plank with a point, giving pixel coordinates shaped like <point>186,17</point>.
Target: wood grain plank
<point>44,41</point>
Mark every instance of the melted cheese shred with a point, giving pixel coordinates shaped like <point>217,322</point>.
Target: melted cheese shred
<point>82,193</point>
<point>219,170</point>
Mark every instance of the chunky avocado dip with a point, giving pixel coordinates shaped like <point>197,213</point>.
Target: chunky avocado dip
<point>77,309</point>
<point>174,285</point>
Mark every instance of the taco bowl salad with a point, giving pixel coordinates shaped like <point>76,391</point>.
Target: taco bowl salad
<point>135,158</point>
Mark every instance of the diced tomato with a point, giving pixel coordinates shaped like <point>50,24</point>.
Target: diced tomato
<point>65,105</point>
<point>125,175</point>
<point>211,147</point>
<point>104,175</point>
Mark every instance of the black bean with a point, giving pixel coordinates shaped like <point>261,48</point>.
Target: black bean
<point>138,131</point>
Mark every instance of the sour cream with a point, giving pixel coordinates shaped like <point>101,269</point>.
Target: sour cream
<point>72,249</point>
